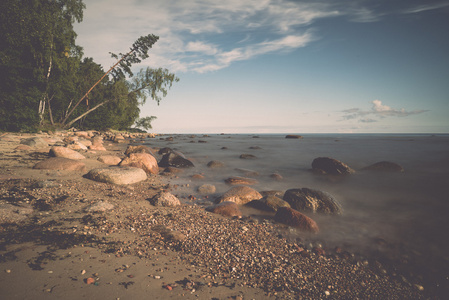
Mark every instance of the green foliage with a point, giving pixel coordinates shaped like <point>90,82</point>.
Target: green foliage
<point>145,122</point>
<point>44,80</point>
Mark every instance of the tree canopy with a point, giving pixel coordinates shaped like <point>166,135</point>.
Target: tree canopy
<point>46,81</point>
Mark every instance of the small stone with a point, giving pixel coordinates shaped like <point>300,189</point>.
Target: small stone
<point>83,272</point>
<point>8,271</point>
<point>90,280</point>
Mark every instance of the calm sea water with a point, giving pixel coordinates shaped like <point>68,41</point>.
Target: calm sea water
<point>405,212</point>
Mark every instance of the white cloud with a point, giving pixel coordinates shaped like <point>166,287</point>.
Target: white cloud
<point>190,30</point>
<point>378,111</point>
<point>425,7</point>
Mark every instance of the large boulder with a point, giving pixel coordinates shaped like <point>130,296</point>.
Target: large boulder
<point>145,161</point>
<point>385,166</point>
<point>59,151</point>
<point>165,199</point>
<point>330,166</point>
<point>60,163</point>
<point>117,175</point>
<point>175,159</point>
<point>236,180</point>
<point>294,218</point>
<point>227,208</point>
<point>312,200</point>
<point>240,195</point>
<point>269,203</point>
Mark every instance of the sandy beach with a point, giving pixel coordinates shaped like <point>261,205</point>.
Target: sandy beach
<point>53,245</point>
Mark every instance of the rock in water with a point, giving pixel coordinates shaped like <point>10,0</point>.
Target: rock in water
<point>240,195</point>
<point>165,199</point>
<point>269,203</point>
<point>293,136</point>
<point>115,175</point>
<point>59,151</point>
<point>227,208</point>
<point>207,189</point>
<point>175,159</point>
<point>215,164</point>
<point>294,218</point>
<point>330,166</point>
<point>145,161</point>
<point>312,200</point>
<point>385,166</point>
<point>138,149</point>
<point>60,163</point>
<point>236,180</point>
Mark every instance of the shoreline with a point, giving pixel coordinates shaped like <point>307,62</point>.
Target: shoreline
<point>137,249</point>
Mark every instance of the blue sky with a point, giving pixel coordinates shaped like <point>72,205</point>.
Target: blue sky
<point>286,66</point>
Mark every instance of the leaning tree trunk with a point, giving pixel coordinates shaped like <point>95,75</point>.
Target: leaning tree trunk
<point>86,113</point>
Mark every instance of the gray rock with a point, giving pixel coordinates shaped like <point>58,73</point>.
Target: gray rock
<point>13,214</point>
<point>34,142</point>
<point>207,189</point>
<point>385,166</point>
<point>215,164</point>
<point>312,200</point>
<point>117,175</point>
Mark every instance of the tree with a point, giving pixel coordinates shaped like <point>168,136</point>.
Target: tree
<point>145,123</point>
<point>37,42</point>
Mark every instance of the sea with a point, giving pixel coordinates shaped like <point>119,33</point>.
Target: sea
<point>390,217</point>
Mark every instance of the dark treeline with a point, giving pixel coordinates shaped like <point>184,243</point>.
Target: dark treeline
<point>45,82</point>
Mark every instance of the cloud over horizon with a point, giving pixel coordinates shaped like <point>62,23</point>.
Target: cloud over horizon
<point>378,111</point>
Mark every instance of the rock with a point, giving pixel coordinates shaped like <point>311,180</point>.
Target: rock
<point>165,199</point>
<point>312,200</point>
<point>294,218</point>
<point>276,176</point>
<point>226,208</point>
<point>13,213</point>
<point>330,166</point>
<point>207,189</point>
<point>23,148</point>
<point>46,184</point>
<point>247,156</point>
<point>83,134</point>
<point>145,161</point>
<point>279,194</point>
<point>197,177</point>
<point>117,175</point>
<point>215,164</point>
<point>235,180</point>
<point>138,149</point>
<point>173,170</point>
<point>269,203</point>
<point>240,195</point>
<point>59,151</point>
<point>97,147</point>
<point>175,159</point>
<point>247,172</point>
<point>118,138</point>
<point>97,141</point>
<point>85,142</point>
<point>60,163</point>
<point>293,136</point>
<point>77,146</point>
<point>385,166</point>
<point>34,142</point>
<point>100,206</point>
<point>109,159</point>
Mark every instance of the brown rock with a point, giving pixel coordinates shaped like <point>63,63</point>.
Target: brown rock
<point>227,208</point>
<point>97,147</point>
<point>207,189</point>
<point>137,149</point>
<point>235,180</point>
<point>215,164</point>
<point>247,156</point>
<point>110,159</point>
<point>330,166</point>
<point>293,136</point>
<point>165,199</point>
<point>247,172</point>
<point>59,151</point>
<point>240,195</point>
<point>269,203</point>
<point>60,163</point>
<point>312,200</point>
<point>294,218</point>
<point>145,161</point>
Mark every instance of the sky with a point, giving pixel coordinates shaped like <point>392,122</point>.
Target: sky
<point>285,66</point>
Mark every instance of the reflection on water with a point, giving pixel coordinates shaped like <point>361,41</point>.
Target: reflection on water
<point>405,212</point>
